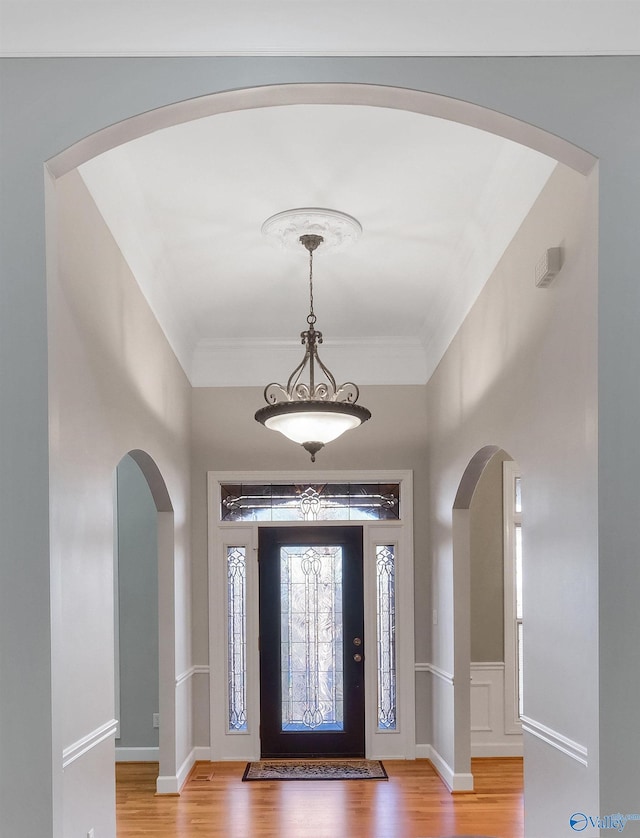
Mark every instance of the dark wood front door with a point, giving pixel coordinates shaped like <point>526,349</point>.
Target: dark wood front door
<point>311,641</point>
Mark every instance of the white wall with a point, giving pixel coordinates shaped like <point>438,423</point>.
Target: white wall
<point>226,437</point>
<point>115,386</point>
<point>521,374</point>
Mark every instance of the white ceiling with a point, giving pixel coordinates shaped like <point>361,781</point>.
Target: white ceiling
<point>319,27</point>
<point>438,202</point>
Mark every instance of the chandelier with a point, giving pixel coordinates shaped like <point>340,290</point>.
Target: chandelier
<point>315,410</point>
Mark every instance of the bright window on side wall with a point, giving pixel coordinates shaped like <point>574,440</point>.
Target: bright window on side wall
<point>513,602</point>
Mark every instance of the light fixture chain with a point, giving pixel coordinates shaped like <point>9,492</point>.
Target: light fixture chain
<point>311,319</point>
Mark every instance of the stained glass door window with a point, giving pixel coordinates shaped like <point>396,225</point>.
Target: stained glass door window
<point>311,641</point>
<point>311,661</point>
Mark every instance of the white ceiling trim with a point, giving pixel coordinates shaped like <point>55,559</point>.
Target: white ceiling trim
<point>319,27</point>
<point>256,363</point>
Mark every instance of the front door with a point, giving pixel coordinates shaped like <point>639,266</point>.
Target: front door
<point>311,642</point>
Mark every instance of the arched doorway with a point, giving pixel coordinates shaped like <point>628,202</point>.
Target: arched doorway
<point>486,517</point>
<point>144,599</point>
<point>264,96</point>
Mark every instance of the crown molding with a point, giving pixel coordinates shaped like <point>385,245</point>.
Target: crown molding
<point>57,28</point>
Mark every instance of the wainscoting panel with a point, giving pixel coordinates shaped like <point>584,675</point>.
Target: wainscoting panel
<point>481,699</point>
<point>488,737</point>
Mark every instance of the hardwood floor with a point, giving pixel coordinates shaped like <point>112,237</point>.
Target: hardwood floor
<point>413,803</point>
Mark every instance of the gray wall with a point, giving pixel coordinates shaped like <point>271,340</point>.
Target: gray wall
<point>49,104</point>
<point>115,387</point>
<point>487,564</point>
<point>137,607</point>
<point>500,382</point>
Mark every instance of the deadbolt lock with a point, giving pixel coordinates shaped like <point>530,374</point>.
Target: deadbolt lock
<point>357,641</point>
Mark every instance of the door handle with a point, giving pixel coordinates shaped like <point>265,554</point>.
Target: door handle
<point>357,658</point>
<point>357,641</point>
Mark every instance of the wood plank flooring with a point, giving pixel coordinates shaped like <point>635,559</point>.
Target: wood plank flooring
<point>413,803</point>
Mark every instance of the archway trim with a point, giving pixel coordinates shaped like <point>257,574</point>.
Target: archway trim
<point>381,96</point>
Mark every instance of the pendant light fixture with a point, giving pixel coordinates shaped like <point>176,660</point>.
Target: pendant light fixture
<point>316,411</point>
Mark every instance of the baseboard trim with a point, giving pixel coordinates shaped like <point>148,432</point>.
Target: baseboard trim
<point>556,740</point>
<point>167,784</point>
<point>497,749</point>
<point>151,754</point>
<point>82,746</point>
<point>454,782</point>
<point>173,784</point>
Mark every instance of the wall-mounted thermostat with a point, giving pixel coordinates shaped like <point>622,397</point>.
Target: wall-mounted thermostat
<point>548,266</point>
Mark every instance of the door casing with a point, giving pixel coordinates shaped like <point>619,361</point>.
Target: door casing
<point>245,745</point>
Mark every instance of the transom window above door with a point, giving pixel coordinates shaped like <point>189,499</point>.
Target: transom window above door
<point>310,502</point>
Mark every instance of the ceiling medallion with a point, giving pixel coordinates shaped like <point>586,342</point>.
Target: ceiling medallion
<point>337,229</point>
<point>316,412</point>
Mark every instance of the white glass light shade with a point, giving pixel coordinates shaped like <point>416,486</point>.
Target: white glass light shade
<point>312,423</point>
<point>312,426</point>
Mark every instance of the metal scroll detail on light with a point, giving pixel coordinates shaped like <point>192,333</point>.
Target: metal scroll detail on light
<point>314,413</point>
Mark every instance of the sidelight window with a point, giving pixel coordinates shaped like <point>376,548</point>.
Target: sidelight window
<point>386,635</point>
<point>237,637</point>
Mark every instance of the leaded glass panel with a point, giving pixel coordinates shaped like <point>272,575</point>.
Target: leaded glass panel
<point>311,638</point>
<point>237,637</point>
<point>386,639</point>
<point>310,502</point>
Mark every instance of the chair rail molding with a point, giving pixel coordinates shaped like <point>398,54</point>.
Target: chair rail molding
<point>79,748</point>
<point>442,674</point>
<point>556,740</point>
<point>196,669</point>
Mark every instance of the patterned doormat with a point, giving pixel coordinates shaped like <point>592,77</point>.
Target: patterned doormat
<point>314,769</point>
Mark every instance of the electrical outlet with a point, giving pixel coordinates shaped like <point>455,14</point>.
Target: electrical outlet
<point>91,833</point>
<point>156,719</point>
